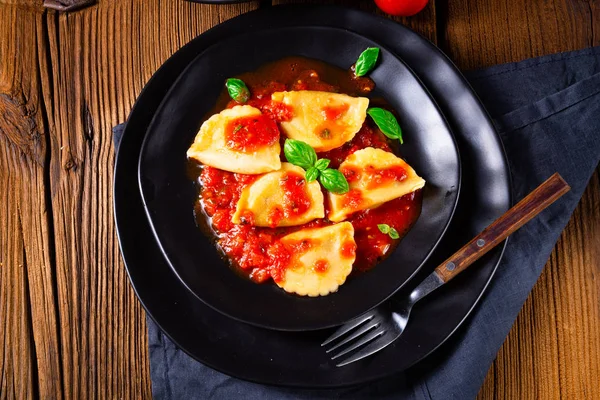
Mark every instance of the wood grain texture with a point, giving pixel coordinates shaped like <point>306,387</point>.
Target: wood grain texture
<point>101,57</point>
<point>424,22</point>
<point>553,350</point>
<point>29,343</point>
<point>24,5</point>
<point>70,325</point>
<point>488,32</point>
<point>517,216</point>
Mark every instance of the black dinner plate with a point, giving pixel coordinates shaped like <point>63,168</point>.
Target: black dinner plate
<point>262,355</point>
<point>169,194</point>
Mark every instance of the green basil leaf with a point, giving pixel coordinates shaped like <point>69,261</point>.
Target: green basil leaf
<point>237,90</point>
<point>366,61</point>
<point>312,174</point>
<point>299,153</point>
<point>334,181</point>
<point>322,164</point>
<point>386,122</point>
<point>394,234</point>
<point>384,228</point>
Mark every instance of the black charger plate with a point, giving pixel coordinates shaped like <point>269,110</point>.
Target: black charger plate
<point>169,194</point>
<point>265,356</point>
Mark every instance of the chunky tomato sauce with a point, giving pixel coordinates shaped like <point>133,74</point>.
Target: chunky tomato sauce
<point>368,136</point>
<point>371,244</point>
<point>258,251</point>
<point>295,199</point>
<point>248,134</point>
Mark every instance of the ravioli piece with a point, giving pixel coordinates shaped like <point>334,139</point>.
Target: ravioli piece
<point>280,198</point>
<point>323,120</point>
<point>321,259</point>
<point>375,176</point>
<point>240,140</point>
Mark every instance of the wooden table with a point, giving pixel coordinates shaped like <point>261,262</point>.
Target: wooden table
<point>70,325</point>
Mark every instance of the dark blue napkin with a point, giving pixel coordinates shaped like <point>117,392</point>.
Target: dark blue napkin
<point>547,111</point>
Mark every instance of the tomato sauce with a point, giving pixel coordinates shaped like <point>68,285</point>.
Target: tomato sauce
<point>352,200</point>
<point>373,177</point>
<point>371,244</point>
<point>258,252</point>
<point>248,134</point>
<point>275,110</point>
<point>321,266</point>
<point>381,177</point>
<point>333,113</point>
<point>368,136</point>
<point>295,197</point>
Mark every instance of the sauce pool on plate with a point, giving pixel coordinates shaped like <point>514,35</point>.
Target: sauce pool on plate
<point>257,251</point>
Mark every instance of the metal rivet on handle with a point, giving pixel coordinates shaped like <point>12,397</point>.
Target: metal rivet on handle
<point>450,266</point>
<point>480,242</point>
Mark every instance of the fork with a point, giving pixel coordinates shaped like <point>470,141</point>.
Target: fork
<point>376,329</point>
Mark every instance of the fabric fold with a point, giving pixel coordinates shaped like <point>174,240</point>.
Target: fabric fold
<point>549,105</point>
<point>547,111</point>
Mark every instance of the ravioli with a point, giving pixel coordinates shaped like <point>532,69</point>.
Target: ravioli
<point>321,259</point>
<point>323,120</point>
<point>213,145</point>
<point>280,198</point>
<point>375,176</point>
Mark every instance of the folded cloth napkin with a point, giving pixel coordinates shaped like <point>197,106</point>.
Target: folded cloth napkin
<point>547,111</point>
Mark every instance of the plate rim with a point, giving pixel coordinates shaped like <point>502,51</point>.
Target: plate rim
<point>135,113</point>
<point>305,326</point>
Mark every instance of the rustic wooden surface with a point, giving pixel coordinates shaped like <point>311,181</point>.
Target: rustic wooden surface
<point>519,214</point>
<point>70,325</point>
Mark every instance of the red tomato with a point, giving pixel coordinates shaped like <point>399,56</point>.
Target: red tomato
<point>404,8</point>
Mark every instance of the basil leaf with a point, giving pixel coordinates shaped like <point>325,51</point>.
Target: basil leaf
<point>334,181</point>
<point>299,153</point>
<point>312,174</point>
<point>237,90</point>
<point>386,122</point>
<point>322,164</point>
<point>366,61</point>
<point>384,228</point>
<point>394,234</point>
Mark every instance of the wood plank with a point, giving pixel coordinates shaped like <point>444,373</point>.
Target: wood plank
<point>518,215</point>
<point>16,352</point>
<point>100,59</point>
<point>24,5</point>
<point>29,350</point>
<point>557,333</point>
<point>484,33</point>
<point>424,22</point>
<point>553,349</point>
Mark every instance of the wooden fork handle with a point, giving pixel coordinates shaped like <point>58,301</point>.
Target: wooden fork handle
<point>545,194</point>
